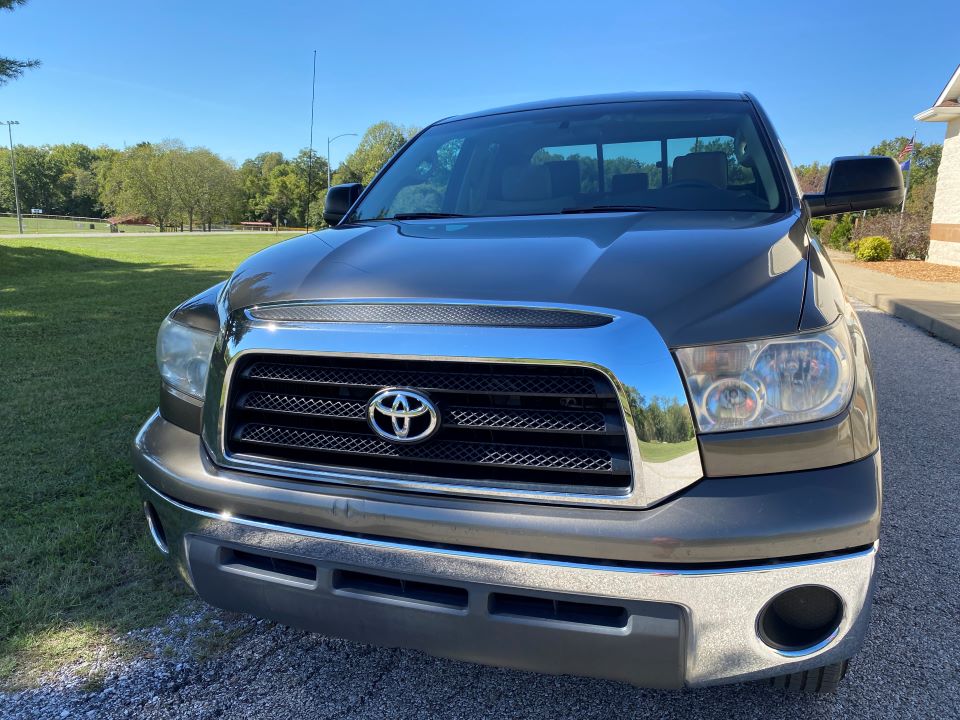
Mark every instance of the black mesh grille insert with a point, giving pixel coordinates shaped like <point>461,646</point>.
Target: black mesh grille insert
<point>431,314</point>
<point>509,425</point>
<point>453,452</point>
<point>447,381</point>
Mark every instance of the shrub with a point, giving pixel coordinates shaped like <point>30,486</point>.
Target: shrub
<point>853,245</point>
<point>842,232</point>
<point>817,225</point>
<point>909,235</point>
<point>874,248</point>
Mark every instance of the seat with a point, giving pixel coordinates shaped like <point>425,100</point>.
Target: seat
<point>523,183</point>
<point>705,167</point>
<point>629,183</point>
<point>564,177</point>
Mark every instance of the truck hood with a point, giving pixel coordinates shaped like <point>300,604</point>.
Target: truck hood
<point>698,277</point>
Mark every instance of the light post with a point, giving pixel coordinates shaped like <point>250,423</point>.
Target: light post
<point>330,140</point>
<point>13,166</point>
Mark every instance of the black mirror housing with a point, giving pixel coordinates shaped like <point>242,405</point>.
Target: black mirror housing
<point>340,198</point>
<point>858,183</point>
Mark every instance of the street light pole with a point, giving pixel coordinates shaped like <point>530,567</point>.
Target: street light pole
<point>13,166</point>
<point>330,140</point>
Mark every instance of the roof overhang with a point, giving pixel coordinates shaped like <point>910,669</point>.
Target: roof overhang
<point>938,114</point>
<point>947,105</point>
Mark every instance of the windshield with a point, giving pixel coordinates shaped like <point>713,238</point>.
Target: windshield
<point>670,155</point>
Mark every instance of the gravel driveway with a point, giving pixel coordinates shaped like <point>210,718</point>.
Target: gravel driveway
<point>910,666</point>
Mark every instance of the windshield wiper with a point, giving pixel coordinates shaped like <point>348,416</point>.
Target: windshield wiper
<point>423,216</point>
<point>612,208</point>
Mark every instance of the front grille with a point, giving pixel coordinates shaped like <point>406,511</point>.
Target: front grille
<point>501,424</point>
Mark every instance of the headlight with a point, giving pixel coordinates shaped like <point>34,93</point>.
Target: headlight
<point>183,356</point>
<point>779,381</point>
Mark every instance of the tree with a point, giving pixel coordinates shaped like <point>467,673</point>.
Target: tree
<point>78,188</point>
<point>11,69</point>
<point>378,144</point>
<point>287,190</point>
<point>38,179</point>
<point>139,181</point>
<point>254,181</point>
<point>812,177</point>
<point>218,196</point>
<point>925,160</point>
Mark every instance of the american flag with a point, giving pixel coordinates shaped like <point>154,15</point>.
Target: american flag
<point>907,149</point>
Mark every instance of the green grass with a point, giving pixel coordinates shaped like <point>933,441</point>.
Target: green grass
<point>78,319</point>
<point>35,224</point>
<point>661,452</point>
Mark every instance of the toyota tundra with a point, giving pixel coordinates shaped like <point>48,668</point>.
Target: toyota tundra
<point>569,387</point>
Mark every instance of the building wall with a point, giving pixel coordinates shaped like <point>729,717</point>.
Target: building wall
<point>945,225</point>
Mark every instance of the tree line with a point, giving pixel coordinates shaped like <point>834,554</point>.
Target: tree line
<point>910,233</point>
<point>660,419</point>
<point>176,186</point>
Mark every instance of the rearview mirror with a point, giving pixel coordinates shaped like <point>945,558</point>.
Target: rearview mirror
<point>858,183</point>
<point>340,198</point>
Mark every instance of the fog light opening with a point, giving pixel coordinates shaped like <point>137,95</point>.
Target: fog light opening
<point>801,620</point>
<point>156,528</point>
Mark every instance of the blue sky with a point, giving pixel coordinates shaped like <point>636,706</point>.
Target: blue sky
<point>235,76</point>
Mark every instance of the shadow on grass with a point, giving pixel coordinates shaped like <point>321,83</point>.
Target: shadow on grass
<point>77,337</point>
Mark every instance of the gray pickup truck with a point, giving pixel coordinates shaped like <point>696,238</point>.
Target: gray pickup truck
<point>569,387</point>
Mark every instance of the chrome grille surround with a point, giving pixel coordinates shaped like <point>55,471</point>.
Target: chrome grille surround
<point>627,350</point>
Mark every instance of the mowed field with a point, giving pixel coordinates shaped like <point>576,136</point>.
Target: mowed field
<point>34,224</point>
<point>78,321</point>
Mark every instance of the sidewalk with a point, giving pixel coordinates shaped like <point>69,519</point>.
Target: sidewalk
<point>931,306</point>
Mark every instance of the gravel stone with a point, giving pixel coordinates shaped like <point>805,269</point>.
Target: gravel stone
<point>909,666</point>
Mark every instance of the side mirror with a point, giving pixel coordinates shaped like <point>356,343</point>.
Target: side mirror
<point>858,183</point>
<point>340,198</point>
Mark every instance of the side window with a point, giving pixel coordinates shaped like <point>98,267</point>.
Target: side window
<point>427,187</point>
<point>631,158</point>
<point>738,176</point>
<point>570,179</point>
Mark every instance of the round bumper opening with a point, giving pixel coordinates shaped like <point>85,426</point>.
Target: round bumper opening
<point>801,620</point>
<point>156,528</point>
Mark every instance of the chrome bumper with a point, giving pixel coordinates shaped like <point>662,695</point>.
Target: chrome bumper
<point>714,631</point>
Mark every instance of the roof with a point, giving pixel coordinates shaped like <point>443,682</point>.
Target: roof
<point>947,105</point>
<point>600,99</point>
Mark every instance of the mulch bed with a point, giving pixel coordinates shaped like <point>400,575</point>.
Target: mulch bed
<point>915,270</point>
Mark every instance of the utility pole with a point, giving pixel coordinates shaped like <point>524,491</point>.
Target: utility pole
<point>13,166</point>
<point>313,98</point>
<point>330,140</point>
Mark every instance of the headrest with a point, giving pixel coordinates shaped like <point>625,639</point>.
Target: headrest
<point>630,182</point>
<point>708,167</point>
<point>564,177</point>
<point>526,182</point>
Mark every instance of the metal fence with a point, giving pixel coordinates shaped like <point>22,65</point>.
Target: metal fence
<point>36,224</point>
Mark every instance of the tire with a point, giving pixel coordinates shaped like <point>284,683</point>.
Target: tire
<point>820,681</point>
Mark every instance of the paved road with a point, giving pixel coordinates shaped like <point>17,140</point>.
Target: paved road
<point>910,666</point>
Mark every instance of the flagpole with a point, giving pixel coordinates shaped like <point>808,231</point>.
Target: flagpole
<point>906,187</point>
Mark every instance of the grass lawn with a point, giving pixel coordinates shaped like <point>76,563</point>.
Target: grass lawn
<point>78,320</point>
<point>661,452</point>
